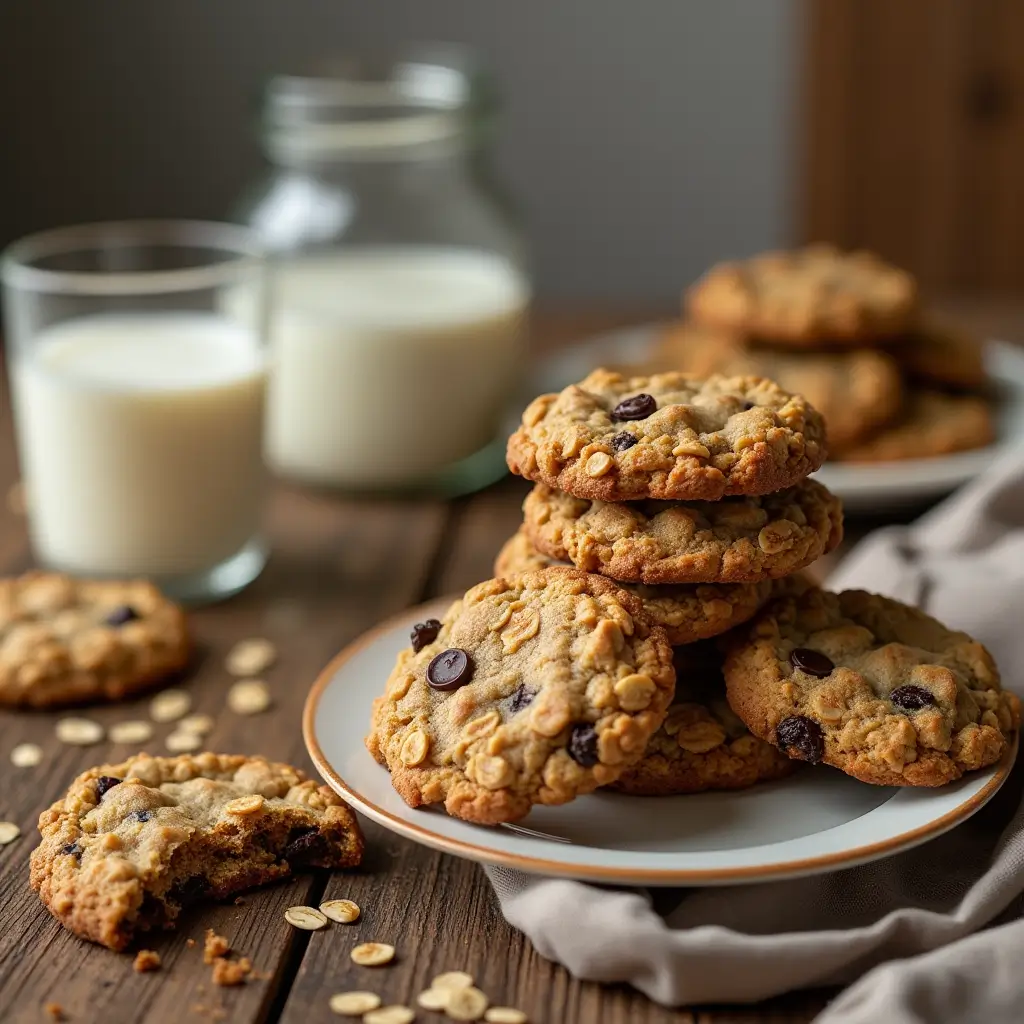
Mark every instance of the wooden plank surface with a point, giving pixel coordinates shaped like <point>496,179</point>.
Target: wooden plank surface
<point>339,566</point>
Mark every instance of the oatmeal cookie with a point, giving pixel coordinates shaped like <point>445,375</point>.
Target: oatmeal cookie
<point>816,296</point>
<point>69,641</point>
<point>687,612</point>
<point>535,689</point>
<point>942,354</point>
<point>669,436</point>
<point>932,423</point>
<point>856,391</point>
<point>132,844</point>
<point>875,688</point>
<point>702,744</point>
<point>735,540</point>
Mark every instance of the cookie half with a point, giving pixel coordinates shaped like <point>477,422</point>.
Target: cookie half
<point>856,391</point>
<point>932,423</point>
<point>133,844</point>
<point>880,690</point>
<point>735,540</point>
<point>69,641</point>
<point>670,436</point>
<point>534,689</point>
<point>687,612</point>
<point>702,745</point>
<point>814,296</point>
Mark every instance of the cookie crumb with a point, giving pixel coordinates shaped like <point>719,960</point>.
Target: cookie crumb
<point>191,943</point>
<point>214,946</point>
<point>55,1011</point>
<point>228,973</point>
<point>146,960</point>
<point>26,755</point>
<point>250,657</point>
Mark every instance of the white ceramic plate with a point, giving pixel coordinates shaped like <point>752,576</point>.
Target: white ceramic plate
<point>816,820</point>
<point>863,488</point>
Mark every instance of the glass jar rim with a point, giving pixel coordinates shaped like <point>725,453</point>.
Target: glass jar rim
<point>243,254</point>
<point>410,101</point>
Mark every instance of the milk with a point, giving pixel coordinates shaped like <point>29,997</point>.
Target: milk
<point>140,437</point>
<point>390,363</point>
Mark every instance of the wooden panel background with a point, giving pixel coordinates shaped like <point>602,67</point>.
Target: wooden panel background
<point>913,136</point>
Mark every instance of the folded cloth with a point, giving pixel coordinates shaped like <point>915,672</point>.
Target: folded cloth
<point>904,931</point>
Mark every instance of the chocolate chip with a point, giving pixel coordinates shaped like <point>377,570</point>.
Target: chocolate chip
<point>139,816</point>
<point>639,407</point>
<point>522,698</point>
<point>802,735</point>
<point>450,669</point>
<point>912,698</point>
<point>72,850</point>
<point>424,633</point>
<point>814,663</point>
<point>306,848</point>
<point>583,744</point>
<point>119,616</point>
<point>105,782</point>
<point>622,442</point>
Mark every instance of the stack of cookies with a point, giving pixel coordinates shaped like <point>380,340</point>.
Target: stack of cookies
<point>846,331</point>
<point>693,496</point>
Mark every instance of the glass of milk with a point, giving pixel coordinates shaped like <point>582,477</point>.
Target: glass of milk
<point>398,291</point>
<point>138,395</point>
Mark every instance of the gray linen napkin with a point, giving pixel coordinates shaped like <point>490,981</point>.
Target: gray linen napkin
<point>904,926</point>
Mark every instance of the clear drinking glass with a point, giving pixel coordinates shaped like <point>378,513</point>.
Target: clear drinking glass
<point>138,384</point>
<point>398,279</point>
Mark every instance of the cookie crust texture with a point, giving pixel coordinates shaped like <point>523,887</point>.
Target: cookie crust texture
<point>735,540</point>
<point>569,681</point>
<point>908,702</point>
<point>705,438</point>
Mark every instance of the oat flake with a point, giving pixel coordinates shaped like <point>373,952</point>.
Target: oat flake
<point>8,832</point>
<point>372,954</point>
<point>250,657</point>
<point>249,697</point>
<point>78,732</point>
<point>354,1004</point>
<point>342,911</point>
<point>170,705</point>
<point>26,755</point>
<point>130,732</point>
<point>309,919</point>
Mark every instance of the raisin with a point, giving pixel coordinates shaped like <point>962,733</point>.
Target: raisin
<point>912,698</point>
<point>306,849</point>
<point>72,850</point>
<point>105,783</point>
<point>639,407</point>
<point>583,744</point>
<point>139,816</point>
<point>802,735</point>
<point>424,633</point>
<point>188,890</point>
<point>623,442</point>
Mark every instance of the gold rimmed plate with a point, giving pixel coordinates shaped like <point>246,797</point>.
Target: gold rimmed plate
<point>816,820</point>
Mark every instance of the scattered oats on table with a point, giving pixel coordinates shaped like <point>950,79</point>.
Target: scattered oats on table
<point>354,1004</point>
<point>180,741</point>
<point>504,1015</point>
<point>372,954</point>
<point>78,732</point>
<point>198,724</point>
<point>452,980</point>
<point>130,732</point>
<point>342,911</point>
<point>309,919</point>
<point>390,1015</point>
<point>466,1004</point>
<point>170,705</point>
<point>434,998</point>
<point>8,832</point>
<point>250,657</point>
<point>249,697</point>
<point>26,755</point>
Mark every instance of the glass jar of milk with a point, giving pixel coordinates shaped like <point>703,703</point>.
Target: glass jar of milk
<point>139,400</point>
<point>398,291</point>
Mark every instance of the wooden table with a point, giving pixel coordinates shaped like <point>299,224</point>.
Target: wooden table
<point>343,565</point>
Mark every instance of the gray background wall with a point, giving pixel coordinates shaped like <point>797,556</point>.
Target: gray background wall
<point>644,138</point>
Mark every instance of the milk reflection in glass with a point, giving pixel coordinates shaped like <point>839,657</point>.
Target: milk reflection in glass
<point>390,363</point>
<point>140,441</point>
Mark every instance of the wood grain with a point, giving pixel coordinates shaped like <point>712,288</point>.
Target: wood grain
<point>339,566</point>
